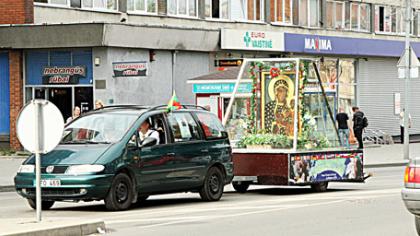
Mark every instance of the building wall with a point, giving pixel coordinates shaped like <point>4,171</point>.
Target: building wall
<point>156,88</point>
<point>16,11</point>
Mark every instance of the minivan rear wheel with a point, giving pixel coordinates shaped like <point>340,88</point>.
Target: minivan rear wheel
<point>45,205</point>
<point>212,189</point>
<point>120,194</point>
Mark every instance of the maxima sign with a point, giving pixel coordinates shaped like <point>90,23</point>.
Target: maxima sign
<point>252,40</point>
<point>318,44</point>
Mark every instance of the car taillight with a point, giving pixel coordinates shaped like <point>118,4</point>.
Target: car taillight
<point>412,175</point>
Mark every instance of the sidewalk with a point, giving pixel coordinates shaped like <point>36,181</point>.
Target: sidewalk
<point>375,156</point>
<point>50,227</point>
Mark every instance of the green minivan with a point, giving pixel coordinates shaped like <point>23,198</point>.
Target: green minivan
<point>107,155</point>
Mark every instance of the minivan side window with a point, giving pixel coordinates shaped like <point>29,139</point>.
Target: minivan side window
<point>183,127</point>
<point>211,125</point>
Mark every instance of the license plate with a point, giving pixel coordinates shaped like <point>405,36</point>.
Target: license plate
<point>50,183</point>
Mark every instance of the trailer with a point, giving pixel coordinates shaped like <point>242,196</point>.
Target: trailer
<point>289,136</point>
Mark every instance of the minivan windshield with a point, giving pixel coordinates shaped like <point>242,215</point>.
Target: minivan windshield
<point>98,128</point>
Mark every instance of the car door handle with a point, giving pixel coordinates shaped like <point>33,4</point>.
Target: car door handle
<point>171,154</point>
<point>204,150</point>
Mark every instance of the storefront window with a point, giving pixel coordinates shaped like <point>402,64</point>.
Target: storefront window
<point>335,15</point>
<point>182,7</point>
<point>237,122</point>
<point>346,85</point>
<point>244,10</point>
<point>143,6</point>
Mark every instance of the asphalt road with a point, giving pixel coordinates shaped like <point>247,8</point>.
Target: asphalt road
<point>372,208</point>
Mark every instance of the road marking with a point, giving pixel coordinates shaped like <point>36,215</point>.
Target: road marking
<point>254,205</point>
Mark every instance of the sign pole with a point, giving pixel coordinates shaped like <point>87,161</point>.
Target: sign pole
<point>38,199</point>
<point>407,79</point>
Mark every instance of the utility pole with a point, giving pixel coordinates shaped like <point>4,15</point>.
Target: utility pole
<point>407,78</point>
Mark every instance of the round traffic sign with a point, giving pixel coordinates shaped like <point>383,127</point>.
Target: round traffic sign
<point>40,126</point>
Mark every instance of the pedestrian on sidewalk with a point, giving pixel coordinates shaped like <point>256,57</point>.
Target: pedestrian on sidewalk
<point>360,122</point>
<point>402,124</point>
<point>343,129</point>
<point>75,115</point>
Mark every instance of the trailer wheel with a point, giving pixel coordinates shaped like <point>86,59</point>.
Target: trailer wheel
<point>319,187</point>
<point>241,186</point>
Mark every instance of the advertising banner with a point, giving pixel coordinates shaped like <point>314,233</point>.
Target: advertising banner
<point>130,69</point>
<point>318,167</point>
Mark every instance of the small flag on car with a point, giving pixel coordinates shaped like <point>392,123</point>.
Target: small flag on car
<point>174,103</point>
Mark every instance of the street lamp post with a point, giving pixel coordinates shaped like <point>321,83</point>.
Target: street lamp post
<point>407,78</point>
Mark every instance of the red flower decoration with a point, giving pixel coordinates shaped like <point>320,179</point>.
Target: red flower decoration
<point>274,72</point>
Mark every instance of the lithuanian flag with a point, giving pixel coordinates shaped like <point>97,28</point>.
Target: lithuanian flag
<point>174,103</point>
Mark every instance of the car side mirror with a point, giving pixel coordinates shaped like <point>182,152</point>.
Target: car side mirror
<point>132,146</point>
<point>224,134</point>
<point>148,142</point>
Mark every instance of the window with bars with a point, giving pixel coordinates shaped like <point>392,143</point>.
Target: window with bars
<point>143,6</point>
<point>182,7</point>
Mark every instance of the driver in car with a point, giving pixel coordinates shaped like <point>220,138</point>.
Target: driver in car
<point>145,132</point>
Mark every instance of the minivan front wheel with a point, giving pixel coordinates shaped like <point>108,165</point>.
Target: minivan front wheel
<point>120,194</point>
<point>45,205</point>
<point>212,189</point>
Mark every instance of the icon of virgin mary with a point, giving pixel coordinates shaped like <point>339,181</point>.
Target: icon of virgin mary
<point>279,111</point>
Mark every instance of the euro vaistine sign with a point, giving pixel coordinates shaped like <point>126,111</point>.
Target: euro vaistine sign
<point>252,40</point>
<point>63,74</point>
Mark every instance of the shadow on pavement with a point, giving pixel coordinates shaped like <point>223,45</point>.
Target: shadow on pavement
<point>289,191</point>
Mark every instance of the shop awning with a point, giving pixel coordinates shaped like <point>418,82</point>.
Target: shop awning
<point>107,34</point>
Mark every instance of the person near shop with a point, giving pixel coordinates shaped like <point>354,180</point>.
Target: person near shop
<point>146,131</point>
<point>75,115</point>
<point>343,129</point>
<point>359,124</point>
<point>402,124</point>
<point>99,104</point>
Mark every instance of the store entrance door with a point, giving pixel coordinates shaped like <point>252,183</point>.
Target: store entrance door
<point>62,98</point>
<point>83,98</point>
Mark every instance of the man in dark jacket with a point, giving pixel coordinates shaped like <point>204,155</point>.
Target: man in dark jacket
<point>358,125</point>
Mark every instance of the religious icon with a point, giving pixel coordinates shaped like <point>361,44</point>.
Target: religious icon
<point>279,105</point>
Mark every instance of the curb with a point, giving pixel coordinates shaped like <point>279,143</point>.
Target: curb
<point>88,228</point>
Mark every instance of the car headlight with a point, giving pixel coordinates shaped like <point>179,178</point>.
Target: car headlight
<point>26,169</point>
<point>84,169</point>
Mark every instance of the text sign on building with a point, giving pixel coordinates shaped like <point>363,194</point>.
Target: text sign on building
<point>130,69</point>
<point>252,40</point>
<point>63,75</point>
<point>221,88</point>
